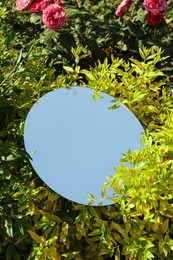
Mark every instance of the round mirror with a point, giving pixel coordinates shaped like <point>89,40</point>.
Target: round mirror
<point>75,142</point>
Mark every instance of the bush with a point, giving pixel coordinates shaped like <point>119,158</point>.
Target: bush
<point>103,53</point>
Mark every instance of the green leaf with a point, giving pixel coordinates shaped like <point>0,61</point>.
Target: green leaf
<point>114,107</point>
<point>96,95</point>
<point>165,226</point>
<point>152,109</point>
<point>8,224</point>
<point>88,74</point>
<point>117,254</point>
<point>34,18</point>
<point>71,255</point>
<point>51,217</point>
<point>95,232</point>
<point>35,237</point>
<point>91,199</point>
<point>68,69</point>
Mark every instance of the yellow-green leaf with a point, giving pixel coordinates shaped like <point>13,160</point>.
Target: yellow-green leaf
<point>35,237</point>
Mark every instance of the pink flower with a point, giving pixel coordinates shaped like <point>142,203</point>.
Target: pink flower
<point>23,4</point>
<point>155,5</point>
<point>37,6</point>
<point>58,2</point>
<point>48,2</point>
<point>154,18</point>
<point>54,16</point>
<point>123,7</point>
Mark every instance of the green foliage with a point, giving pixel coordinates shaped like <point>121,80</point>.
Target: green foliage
<point>102,52</point>
<point>134,83</point>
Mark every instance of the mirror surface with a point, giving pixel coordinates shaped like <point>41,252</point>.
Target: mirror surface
<point>75,143</point>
